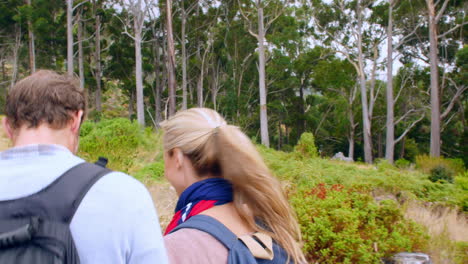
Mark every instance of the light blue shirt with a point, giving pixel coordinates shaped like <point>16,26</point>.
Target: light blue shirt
<point>115,223</point>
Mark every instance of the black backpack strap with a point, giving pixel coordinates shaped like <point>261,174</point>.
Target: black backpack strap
<point>211,226</point>
<point>62,197</point>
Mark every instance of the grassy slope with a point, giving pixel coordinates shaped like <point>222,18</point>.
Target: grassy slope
<point>380,179</point>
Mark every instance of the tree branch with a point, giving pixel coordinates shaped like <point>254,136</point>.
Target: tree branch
<point>452,29</point>
<point>441,11</point>
<point>404,116</point>
<point>459,92</point>
<point>78,5</point>
<point>408,129</point>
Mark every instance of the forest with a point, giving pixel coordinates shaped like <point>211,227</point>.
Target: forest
<point>371,79</point>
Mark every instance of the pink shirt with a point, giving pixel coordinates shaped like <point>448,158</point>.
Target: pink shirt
<point>191,246</point>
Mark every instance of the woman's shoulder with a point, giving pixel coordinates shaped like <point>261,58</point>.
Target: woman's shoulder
<point>194,246</point>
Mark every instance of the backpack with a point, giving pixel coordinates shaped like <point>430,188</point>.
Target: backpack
<point>240,249</point>
<point>36,228</point>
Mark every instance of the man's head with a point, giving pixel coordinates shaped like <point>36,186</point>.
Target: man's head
<point>46,103</point>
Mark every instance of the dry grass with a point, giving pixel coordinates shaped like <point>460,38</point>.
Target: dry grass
<point>446,226</point>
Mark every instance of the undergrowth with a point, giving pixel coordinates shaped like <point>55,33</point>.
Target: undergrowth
<point>128,147</point>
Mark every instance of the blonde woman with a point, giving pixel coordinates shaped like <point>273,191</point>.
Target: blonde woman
<point>230,208</point>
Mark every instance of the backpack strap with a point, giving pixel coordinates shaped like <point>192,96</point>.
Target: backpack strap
<point>211,226</point>
<point>67,192</point>
<point>60,199</point>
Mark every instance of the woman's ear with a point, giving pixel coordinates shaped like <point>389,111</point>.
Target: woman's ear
<point>178,157</point>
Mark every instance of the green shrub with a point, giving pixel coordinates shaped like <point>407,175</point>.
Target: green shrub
<point>441,173</point>
<point>118,139</point>
<point>426,163</point>
<point>306,146</point>
<point>153,171</point>
<point>402,163</point>
<point>461,180</point>
<point>383,165</point>
<point>411,149</point>
<point>342,225</point>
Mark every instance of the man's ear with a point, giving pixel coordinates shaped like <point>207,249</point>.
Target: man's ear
<point>76,121</point>
<point>7,128</point>
<point>179,157</point>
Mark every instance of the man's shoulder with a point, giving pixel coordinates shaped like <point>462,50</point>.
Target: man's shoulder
<point>120,190</point>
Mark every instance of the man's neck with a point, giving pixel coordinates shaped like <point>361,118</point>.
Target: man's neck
<point>43,135</point>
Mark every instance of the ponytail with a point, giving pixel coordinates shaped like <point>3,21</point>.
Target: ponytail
<point>225,151</point>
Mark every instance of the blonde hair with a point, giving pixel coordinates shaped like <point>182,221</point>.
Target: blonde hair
<point>224,150</point>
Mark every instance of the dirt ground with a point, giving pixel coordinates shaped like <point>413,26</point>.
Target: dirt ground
<point>165,199</point>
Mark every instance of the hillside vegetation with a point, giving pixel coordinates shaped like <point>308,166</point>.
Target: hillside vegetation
<point>349,212</point>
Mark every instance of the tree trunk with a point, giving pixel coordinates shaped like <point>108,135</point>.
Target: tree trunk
<point>16,54</point>
<point>280,136</point>
<point>201,77</point>
<point>302,121</point>
<point>131,105</point>
<point>80,51</point>
<point>184,58</point>
<point>390,135</point>
<point>139,74</point>
<point>70,37</point>
<point>362,80</point>
<point>157,99</point>
<point>379,145</point>
<point>402,149</point>
<point>97,56</point>
<point>352,131</point>
<point>214,87</point>
<point>3,70</point>
<point>200,87</point>
<point>435,101</point>
<point>32,52</point>
<point>262,85</point>
<point>171,59</point>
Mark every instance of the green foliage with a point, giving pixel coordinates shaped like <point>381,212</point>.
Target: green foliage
<point>153,171</point>
<point>427,163</point>
<point>461,181</point>
<point>402,163</point>
<point>120,140</point>
<point>306,146</point>
<point>383,165</point>
<point>407,183</point>
<point>441,173</point>
<point>342,225</point>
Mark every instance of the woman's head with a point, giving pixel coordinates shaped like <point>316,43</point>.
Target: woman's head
<point>188,153</point>
<point>201,138</point>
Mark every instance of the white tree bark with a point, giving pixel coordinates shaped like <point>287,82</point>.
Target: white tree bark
<point>184,58</point>
<point>80,51</point>
<point>362,81</point>
<point>261,72</point>
<point>138,21</point>
<point>390,135</point>
<point>70,37</point>
<point>170,59</point>
<point>97,59</point>
<point>32,51</point>
<point>434,62</point>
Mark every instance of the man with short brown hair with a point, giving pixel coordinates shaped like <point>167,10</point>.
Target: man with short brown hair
<point>116,221</point>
